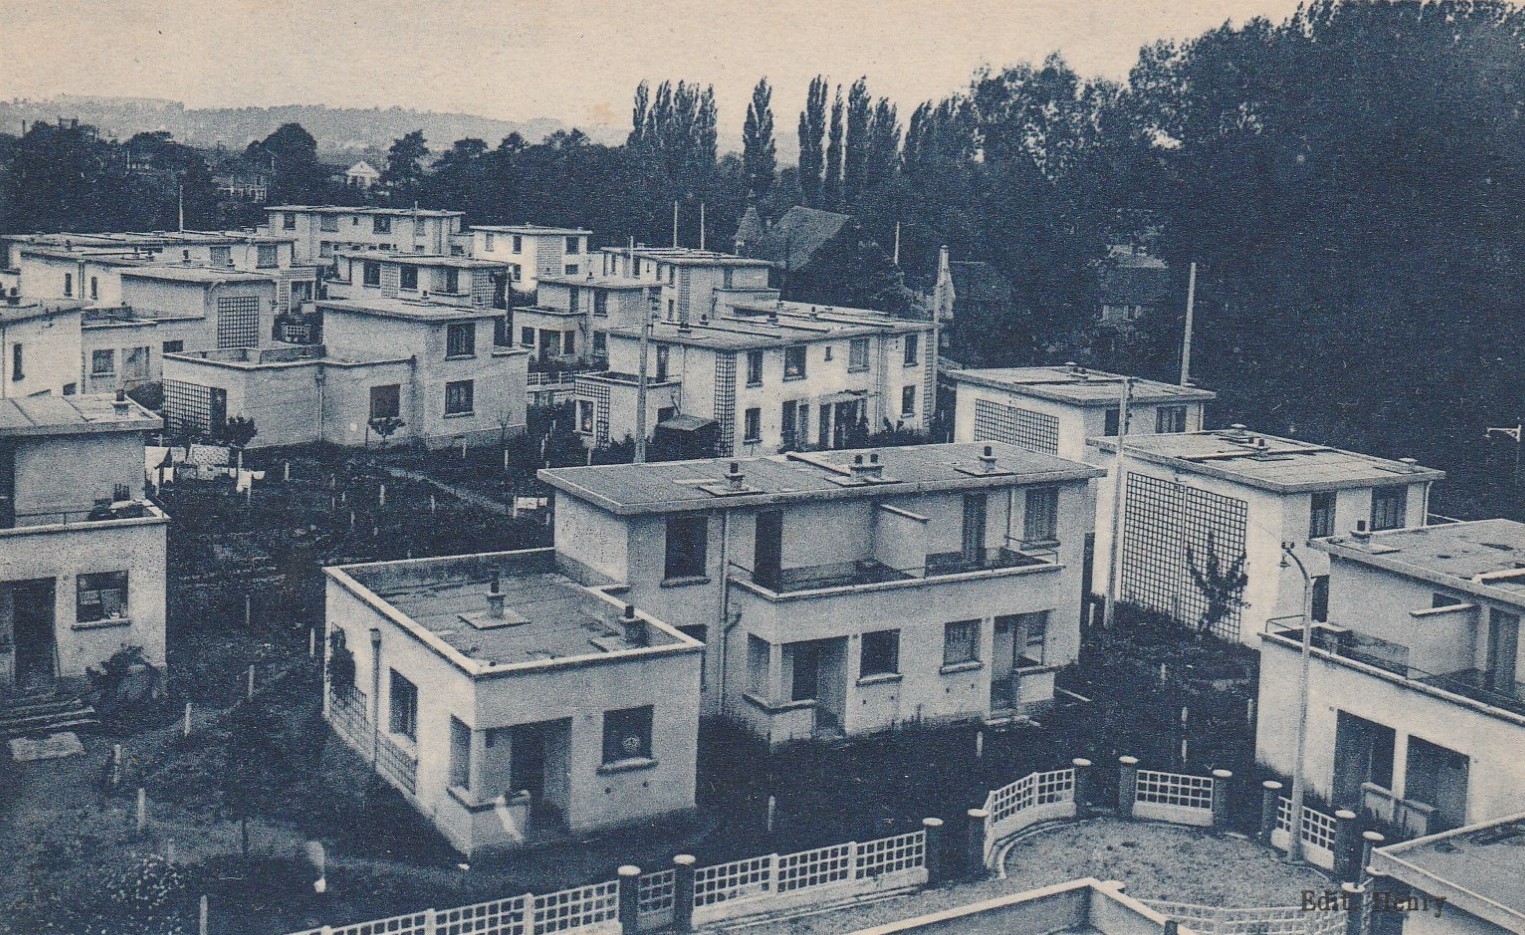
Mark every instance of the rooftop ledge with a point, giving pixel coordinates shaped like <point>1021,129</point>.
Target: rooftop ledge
<point>78,520</point>
<point>931,578</point>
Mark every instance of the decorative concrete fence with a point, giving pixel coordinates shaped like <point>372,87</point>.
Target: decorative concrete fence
<point>1274,920</point>
<point>1179,798</point>
<point>683,895</point>
<point>1320,834</point>
<point>1035,798</point>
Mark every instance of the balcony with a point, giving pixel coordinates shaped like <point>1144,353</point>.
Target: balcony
<point>865,572</point>
<point>1352,646</point>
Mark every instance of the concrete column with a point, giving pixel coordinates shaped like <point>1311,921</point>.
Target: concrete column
<point>1127,785</point>
<point>1084,796</point>
<point>937,853</point>
<point>1270,804</point>
<point>1347,847</point>
<point>1352,898</point>
<point>683,893</point>
<point>629,898</point>
<point>974,843</point>
<point>1221,778</point>
<point>1369,841</point>
<point>775,673</point>
<point>1385,893</point>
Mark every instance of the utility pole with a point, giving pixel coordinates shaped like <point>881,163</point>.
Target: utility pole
<point>1295,820</point>
<point>674,223</point>
<point>1114,547</point>
<point>897,244</point>
<point>653,303</point>
<point>1191,303</point>
<point>701,226</point>
<point>181,189</point>
<point>1518,434</point>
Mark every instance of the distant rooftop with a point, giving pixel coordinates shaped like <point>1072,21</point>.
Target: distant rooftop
<point>405,308</point>
<point>421,259</point>
<point>687,256</point>
<point>791,326</point>
<point>249,358</point>
<point>147,239</point>
<point>532,230</point>
<point>676,486</point>
<point>194,274</point>
<point>40,416</point>
<point>26,309</point>
<point>1078,385</point>
<point>598,282</point>
<point>394,212</point>
<point>1480,869</point>
<point>1280,465</point>
<point>546,615</point>
<point>1486,557</point>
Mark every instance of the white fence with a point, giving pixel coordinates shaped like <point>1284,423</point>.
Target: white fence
<point>1179,798</point>
<point>1273,920</point>
<point>783,881</point>
<point>1034,798</point>
<point>1317,830</point>
<point>591,910</point>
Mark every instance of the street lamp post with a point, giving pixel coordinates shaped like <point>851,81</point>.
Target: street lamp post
<point>1295,836</point>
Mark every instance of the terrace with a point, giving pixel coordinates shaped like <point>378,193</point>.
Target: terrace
<point>847,575</point>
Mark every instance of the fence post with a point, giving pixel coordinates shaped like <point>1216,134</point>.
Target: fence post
<point>1388,893</point>
<point>935,855</point>
<point>142,811</point>
<point>974,843</point>
<point>431,922</point>
<point>683,893</point>
<point>629,898</point>
<point>1351,897</point>
<point>202,917</point>
<point>1082,793</point>
<point>1270,804</point>
<point>1370,840</point>
<point>1221,779</point>
<point>1127,785</point>
<point>529,914</point>
<point>1347,853</point>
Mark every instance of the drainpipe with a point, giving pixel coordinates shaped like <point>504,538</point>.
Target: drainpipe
<point>725,608</point>
<point>375,695</point>
<point>321,379</point>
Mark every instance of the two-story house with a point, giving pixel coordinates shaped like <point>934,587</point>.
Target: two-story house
<point>508,703</point>
<point>319,231</point>
<point>39,347</point>
<point>443,280</point>
<point>533,251</point>
<point>573,315</point>
<point>82,551</point>
<point>1202,509</point>
<point>690,279</point>
<point>847,592</point>
<point>1417,684</point>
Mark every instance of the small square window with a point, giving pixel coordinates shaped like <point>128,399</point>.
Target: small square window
<point>458,398</point>
<point>372,273</point>
<point>574,246</point>
<point>404,706</point>
<point>101,596</point>
<point>1387,508</point>
<point>380,224</point>
<point>408,278</point>
<point>627,734</point>
<point>461,339</point>
<point>880,654</point>
<point>1170,419</point>
<point>571,269</point>
<point>386,401</point>
<point>266,256</point>
<point>961,642</point>
<point>794,362</point>
<point>102,363</point>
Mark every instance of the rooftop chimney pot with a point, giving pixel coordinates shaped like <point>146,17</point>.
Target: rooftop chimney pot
<point>495,599</point>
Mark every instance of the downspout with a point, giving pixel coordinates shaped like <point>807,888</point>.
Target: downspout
<point>725,608</point>
<point>375,695</point>
<point>321,378</point>
<point>5,356</point>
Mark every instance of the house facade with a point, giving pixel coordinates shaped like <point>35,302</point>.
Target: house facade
<point>508,703</point>
<point>573,315</point>
<point>533,251</point>
<point>1417,698</point>
<point>1202,508</point>
<point>690,279</point>
<point>442,280</point>
<point>852,591</point>
<point>317,232</point>
<point>39,347</point>
<point>81,548</point>
<point>1460,882</point>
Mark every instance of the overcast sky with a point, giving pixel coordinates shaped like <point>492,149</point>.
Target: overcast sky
<point>574,61</point>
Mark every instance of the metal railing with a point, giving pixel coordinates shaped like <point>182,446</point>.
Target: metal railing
<point>869,571</point>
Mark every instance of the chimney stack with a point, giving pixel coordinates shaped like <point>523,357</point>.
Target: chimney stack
<point>634,627</point>
<point>495,598</point>
<point>1411,465</point>
<point>735,478</point>
<point>987,458</point>
<point>1360,531</point>
<point>866,465</point>
<point>120,405</point>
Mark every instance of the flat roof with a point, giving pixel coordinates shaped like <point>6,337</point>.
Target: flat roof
<point>1483,557</point>
<point>752,334</point>
<point>395,212</point>
<point>598,282</point>
<point>1078,386</point>
<point>1479,869</point>
<point>677,486</point>
<point>547,616</point>
<point>40,416</point>
<point>195,274</point>
<point>687,256</point>
<point>249,358</point>
<point>405,308</point>
<point>421,259</point>
<point>152,239</point>
<point>29,309</point>
<point>1281,465</point>
<point>531,229</point>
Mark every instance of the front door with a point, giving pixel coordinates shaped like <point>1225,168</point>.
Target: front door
<point>32,603</point>
<point>217,416</point>
<point>1003,658</point>
<point>527,767</point>
<point>1503,647</point>
<point>768,549</point>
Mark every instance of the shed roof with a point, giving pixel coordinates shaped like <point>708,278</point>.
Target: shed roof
<point>40,416</point>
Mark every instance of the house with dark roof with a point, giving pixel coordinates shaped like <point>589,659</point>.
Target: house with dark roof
<point>1130,284</point>
<point>823,256</point>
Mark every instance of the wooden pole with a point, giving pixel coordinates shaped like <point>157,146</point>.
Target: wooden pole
<point>251,681</point>
<point>201,925</point>
<point>142,810</point>
<point>187,719</point>
<point>1191,303</point>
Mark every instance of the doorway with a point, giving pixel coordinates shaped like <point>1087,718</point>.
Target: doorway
<point>217,409</point>
<point>1503,649</point>
<point>32,617</point>
<point>538,763</point>
<point>768,549</point>
<point>1437,776</point>
<point>818,673</point>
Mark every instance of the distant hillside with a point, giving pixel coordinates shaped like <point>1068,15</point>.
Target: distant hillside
<point>337,129</point>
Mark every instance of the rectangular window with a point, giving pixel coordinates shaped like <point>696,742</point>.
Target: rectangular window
<point>758,658</point>
<point>101,596</point>
<point>574,246</point>
<point>386,401</point>
<point>289,221</point>
<point>600,303</point>
<point>794,362</point>
<point>754,368</point>
<point>95,288</point>
<point>1387,505</point>
<point>68,284</point>
<point>527,337</point>
<point>569,342</point>
<point>71,388</point>
<point>908,401</point>
<point>1040,518</point>
<point>380,224</point>
<point>1032,638</point>
<point>404,706</point>
<point>173,347</point>
<point>135,363</point>
<point>102,363</point>
<point>328,222</point>
<point>18,372</point>
<point>487,241</point>
<point>571,269</point>
<point>753,423</point>
<point>912,350</point>
<point>687,541</point>
<point>518,244</point>
<point>420,227</point>
<point>787,423</point>
<point>458,398</point>
<point>372,273</point>
<point>1113,416</point>
<point>627,734</point>
<point>880,654</point>
<point>408,278</point>
<point>663,353</point>
<point>1170,419</point>
<point>326,248</point>
<point>453,281</point>
<point>857,355</point>
<point>600,342</point>
<point>574,299</point>
<point>585,416</point>
<point>1321,516</point>
<point>461,339</point>
<point>265,256</point>
<point>961,642</point>
<point>460,754</point>
<point>222,256</point>
<point>1320,598</point>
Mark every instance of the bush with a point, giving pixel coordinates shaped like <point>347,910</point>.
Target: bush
<point>127,692</point>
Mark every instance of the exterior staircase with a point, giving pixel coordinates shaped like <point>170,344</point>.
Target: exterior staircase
<point>39,713</point>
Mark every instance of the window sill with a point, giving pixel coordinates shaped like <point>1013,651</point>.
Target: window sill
<point>468,802</point>
<point>857,370</point>
<point>957,667</point>
<point>752,441</point>
<point>776,708</point>
<point>686,581</point>
<point>106,624</point>
<point>460,357</point>
<point>753,386</point>
<point>1039,543</point>
<point>1035,668</point>
<point>797,376</point>
<point>627,766</point>
<point>882,678</point>
<point>460,415</point>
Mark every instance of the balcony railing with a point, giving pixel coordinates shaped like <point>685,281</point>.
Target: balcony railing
<point>1474,684</point>
<point>868,571</point>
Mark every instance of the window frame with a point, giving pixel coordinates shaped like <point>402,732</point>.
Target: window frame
<point>381,224</point>
<point>879,661</point>
<point>751,421</point>
<point>1045,509</point>
<point>686,559</point>
<point>402,705</point>
<point>405,273</point>
<point>370,273</point>
<point>456,387</point>
<point>912,350</point>
<point>970,630</point>
<point>381,392</point>
<point>461,340</point>
<point>623,724</point>
<point>1396,497</point>
<point>857,355</point>
<point>107,354</point>
<point>1177,417</point>
<point>796,362</point>
<point>754,368</point>
<point>1322,516</point>
<point>907,401</point>
<point>100,584</point>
